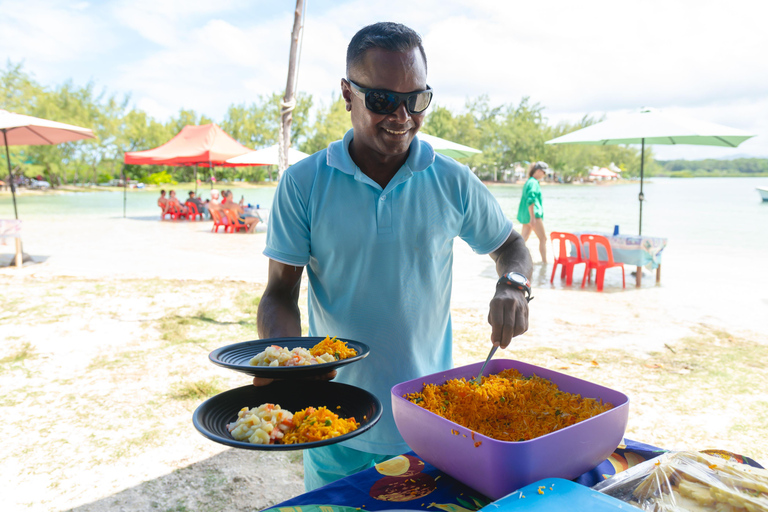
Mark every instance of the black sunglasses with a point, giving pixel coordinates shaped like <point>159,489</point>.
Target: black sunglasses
<point>381,101</point>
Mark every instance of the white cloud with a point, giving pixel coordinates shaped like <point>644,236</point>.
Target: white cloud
<point>165,21</point>
<point>49,33</point>
<point>592,57</point>
<point>210,68</point>
<point>602,57</point>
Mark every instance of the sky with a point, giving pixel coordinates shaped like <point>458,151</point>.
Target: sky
<point>703,59</point>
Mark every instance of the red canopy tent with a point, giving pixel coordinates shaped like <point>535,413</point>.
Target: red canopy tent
<point>207,145</point>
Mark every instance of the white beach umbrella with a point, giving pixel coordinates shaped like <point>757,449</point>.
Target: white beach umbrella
<point>603,172</point>
<point>651,126</point>
<point>21,130</point>
<point>268,156</point>
<point>448,148</point>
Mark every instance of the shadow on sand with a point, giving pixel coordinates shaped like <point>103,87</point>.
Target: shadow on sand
<point>9,260</point>
<point>233,480</point>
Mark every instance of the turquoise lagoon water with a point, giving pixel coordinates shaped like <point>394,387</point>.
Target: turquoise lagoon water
<point>138,203</point>
<point>700,215</point>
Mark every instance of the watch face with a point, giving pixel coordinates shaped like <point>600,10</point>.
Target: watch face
<point>517,278</point>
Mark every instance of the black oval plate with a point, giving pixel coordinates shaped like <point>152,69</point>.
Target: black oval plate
<point>236,357</point>
<point>213,415</point>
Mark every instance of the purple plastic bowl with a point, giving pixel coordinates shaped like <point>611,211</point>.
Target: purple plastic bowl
<point>497,468</point>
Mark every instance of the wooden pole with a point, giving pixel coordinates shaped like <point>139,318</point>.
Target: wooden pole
<point>289,101</point>
<point>125,187</point>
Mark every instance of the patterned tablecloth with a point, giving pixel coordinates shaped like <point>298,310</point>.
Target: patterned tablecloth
<point>260,213</point>
<point>10,228</point>
<point>422,486</point>
<point>635,250</point>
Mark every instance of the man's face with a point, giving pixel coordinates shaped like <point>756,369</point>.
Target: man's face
<point>386,134</point>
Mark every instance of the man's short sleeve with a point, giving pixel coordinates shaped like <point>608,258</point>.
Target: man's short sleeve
<point>485,226</point>
<point>288,233</point>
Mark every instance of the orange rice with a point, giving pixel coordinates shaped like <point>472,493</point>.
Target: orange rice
<point>333,346</point>
<point>313,424</point>
<point>507,406</point>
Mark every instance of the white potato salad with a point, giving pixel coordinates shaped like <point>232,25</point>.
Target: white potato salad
<point>265,424</point>
<point>281,356</point>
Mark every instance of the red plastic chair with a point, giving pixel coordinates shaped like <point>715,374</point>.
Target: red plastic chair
<point>235,224</point>
<point>594,262</point>
<point>172,211</point>
<point>192,212</point>
<point>219,220</point>
<point>565,259</point>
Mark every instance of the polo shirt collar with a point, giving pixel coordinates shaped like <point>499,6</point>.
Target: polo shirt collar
<point>420,156</point>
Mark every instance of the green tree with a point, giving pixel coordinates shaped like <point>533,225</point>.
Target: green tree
<point>331,123</point>
<point>507,134</point>
<point>139,132</point>
<point>256,125</point>
<point>186,117</point>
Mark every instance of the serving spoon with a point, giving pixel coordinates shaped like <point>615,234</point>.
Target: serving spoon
<point>476,380</point>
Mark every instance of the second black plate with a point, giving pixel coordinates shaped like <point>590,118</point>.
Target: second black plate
<point>212,416</point>
<point>237,356</point>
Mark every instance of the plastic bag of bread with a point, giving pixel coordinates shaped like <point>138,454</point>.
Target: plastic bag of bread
<point>690,481</point>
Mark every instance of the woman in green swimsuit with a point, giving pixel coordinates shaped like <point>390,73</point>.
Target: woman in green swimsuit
<point>531,212</point>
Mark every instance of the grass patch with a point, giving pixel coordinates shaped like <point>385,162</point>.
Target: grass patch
<point>19,354</point>
<point>117,361</point>
<point>248,303</point>
<point>199,327</point>
<point>175,328</point>
<point>180,507</point>
<point>198,390</point>
<point>138,444</point>
<point>296,457</point>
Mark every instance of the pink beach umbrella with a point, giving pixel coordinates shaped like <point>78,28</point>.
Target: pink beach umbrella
<point>21,130</point>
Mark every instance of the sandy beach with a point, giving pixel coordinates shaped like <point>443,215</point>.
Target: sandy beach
<point>105,337</point>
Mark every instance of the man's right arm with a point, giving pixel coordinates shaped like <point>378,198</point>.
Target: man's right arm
<point>278,315</point>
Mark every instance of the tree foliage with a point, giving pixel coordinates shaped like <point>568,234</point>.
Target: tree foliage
<point>509,135</point>
<point>331,123</point>
<point>714,168</point>
<point>517,134</point>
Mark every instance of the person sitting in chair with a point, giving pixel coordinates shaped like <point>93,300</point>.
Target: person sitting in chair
<point>174,202</point>
<point>162,201</point>
<point>201,206</point>
<point>229,204</point>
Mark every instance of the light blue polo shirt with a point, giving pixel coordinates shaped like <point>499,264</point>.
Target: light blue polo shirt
<point>379,261</point>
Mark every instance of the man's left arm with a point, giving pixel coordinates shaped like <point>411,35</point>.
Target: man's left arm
<point>508,314</point>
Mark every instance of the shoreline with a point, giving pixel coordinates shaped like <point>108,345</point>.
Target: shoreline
<point>68,189</point>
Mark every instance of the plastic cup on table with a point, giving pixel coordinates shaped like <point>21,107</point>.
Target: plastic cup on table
<point>615,230</point>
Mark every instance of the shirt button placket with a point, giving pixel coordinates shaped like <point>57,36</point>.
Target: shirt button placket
<point>384,214</point>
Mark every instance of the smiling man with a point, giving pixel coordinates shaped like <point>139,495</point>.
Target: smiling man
<point>373,218</point>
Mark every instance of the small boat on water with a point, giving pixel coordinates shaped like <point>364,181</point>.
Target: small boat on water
<point>763,193</point>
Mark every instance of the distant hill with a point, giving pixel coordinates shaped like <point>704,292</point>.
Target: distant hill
<point>711,167</point>
<point>741,155</point>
